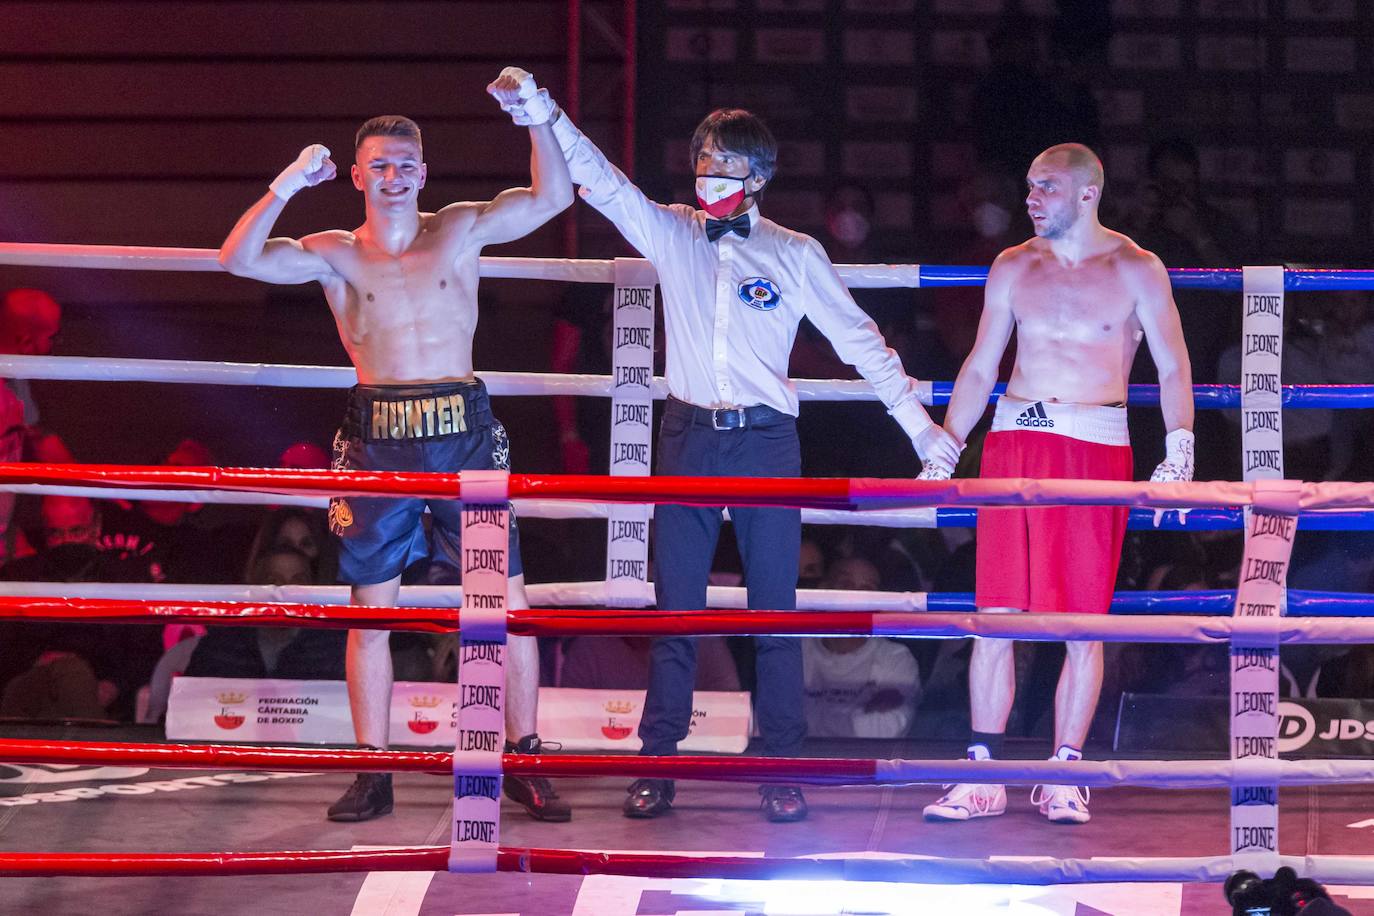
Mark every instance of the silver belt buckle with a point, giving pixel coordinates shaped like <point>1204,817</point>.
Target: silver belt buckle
<point>718,413</point>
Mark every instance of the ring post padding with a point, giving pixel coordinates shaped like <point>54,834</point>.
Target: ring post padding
<point>1261,392</point>
<point>632,412</point>
<point>486,521</point>
<point>477,757</point>
<point>1271,522</point>
<point>486,541</point>
<point>1260,600</point>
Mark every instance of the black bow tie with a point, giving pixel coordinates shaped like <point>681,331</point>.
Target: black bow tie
<point>715,228</point>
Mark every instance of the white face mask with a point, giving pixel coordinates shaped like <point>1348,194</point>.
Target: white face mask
<point>991,220</point>
<point>850,227</point>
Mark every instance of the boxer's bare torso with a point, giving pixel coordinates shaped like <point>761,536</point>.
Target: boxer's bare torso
<point>1076,325</point>
<point>406,309</point>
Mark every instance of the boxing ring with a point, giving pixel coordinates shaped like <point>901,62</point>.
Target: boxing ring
<point>1165,811</point>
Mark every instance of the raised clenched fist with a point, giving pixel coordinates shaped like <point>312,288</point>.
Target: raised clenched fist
<point>311,167</point>
<point>521,98</point>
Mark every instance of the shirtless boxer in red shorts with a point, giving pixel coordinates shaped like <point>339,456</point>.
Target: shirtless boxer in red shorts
<point>1080,298</point>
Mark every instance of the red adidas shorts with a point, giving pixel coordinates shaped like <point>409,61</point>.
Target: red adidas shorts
<point>1056,558</point>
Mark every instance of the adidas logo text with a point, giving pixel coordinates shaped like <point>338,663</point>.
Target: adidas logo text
<point>1035,417</point>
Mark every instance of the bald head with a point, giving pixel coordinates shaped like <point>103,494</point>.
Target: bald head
<point>29,319</point>
<point>1063,190</point>
<point>1076,159</point>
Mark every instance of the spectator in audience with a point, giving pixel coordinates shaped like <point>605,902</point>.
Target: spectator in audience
<point>1355,676</point>
<point>828,430</point>
<point>303,456</point>
<point>29,320</point>
<point>993,211</point>
<point>71,549</point>
<point>811,568</point>
<point>1174,670</point>
<point>858,687</point>
<point>122,656</point>
<point>167,531</point>
<point>582,344</point>
<point>1344,324</point>
<point>1175,220</point>
<point>11,450</point>
<point>1317,350</point>
<point>1326,561</point>
<point>290,653</point>
<point>622,663</point>
<point>59,685</point>
<point>301,530</point>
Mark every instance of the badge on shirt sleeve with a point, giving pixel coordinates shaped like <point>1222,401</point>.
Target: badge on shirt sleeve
<point>760,293</point>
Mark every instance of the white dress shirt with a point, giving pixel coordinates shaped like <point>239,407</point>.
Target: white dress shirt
<point>839,686</point>
<point>722,350</point>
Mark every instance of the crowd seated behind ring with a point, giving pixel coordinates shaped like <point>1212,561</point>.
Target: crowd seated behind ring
<point>854,688</point>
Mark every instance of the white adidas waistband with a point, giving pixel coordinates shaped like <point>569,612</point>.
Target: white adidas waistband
<point>1085,422</point>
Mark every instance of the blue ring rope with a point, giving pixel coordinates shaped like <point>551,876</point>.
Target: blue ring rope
<point>1216,278</point>
<point>1222,397</point>
<point>1194,520</point>
<point>1216,603</point>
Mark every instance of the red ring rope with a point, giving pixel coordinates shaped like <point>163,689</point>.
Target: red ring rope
<point>706,491</point>
<point>416,858</point>
<point>814,771</point>
<point>573,862</point>
<point>524,622</point>
<point>822,493</point>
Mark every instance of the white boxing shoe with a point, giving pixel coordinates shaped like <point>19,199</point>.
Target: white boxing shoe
<point>1062,804</point>
<point>968,800</point>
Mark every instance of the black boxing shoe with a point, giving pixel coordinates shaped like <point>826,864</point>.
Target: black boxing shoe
<point>783,804</point>
<point>535,793</point>
<point>368,797</point>
<point>650,798</point>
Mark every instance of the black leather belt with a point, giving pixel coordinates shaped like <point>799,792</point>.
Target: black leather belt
<point>722,418</point>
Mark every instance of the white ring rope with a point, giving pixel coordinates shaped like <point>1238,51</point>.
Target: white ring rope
<point>228,497</point>
<point>275,375</point>
<point>576,270</point>
<point>1146,774</point>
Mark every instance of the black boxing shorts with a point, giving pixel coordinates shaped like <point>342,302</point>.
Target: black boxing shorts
<point>444,428</point>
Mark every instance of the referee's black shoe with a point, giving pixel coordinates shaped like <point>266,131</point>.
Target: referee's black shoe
<point>650,798</point>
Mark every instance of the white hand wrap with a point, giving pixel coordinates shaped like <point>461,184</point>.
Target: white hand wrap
<point>536,106</point>
<point>932,470</point>
<point>293,177</point>
<point>1177,465</point>
<point>937,447</point>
